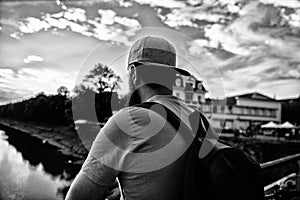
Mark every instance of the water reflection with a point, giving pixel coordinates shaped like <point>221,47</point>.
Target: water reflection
<point>36,173</point>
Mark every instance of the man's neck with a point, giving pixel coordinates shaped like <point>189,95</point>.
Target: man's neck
<point>146,92</point>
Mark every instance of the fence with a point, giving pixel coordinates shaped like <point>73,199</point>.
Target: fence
<point>286,188</point>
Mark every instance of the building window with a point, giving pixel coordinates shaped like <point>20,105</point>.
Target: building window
<point>267,112</point>
<point>222,109</point>
<point>230,109</point>
<point>214,109</point>
<point>240,110</point>
<point>273,113</point>
<point>245,111</point>
<point>199,99</point>
<point>178,82</point>
<point>199,86</point>
<point>188,96</point>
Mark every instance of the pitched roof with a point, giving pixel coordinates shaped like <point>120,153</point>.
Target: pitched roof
<point>269,125</point>
<point>286,125</point>
<point>255,96</point>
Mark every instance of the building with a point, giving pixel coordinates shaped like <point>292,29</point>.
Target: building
<point>243,112</point>
<point>190,90</point>
<point>291,110</point>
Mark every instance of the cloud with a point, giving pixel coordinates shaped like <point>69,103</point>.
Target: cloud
<point>280,88</point>
<point>27,81</point>
<point>8,89</point>
<point>278,73</point>
<point>6,72</point>
<point>104,27</point>
<point>107,16</point>
<point>70,17</point>
<point>113,27</point>
<point>196,47</point>
<point>229,40</point>
<point>251,42</point>
<point>75,14</point>
<point>293,19</point>
<point>33,58</point>
<point>164,3</point>
<point>59,3</point>
<point>239,38</point>
<point>188,17</point>
<point>196,13</point>
<point>125,4</point>
<point>15,36</point>
<point>32,25</point>
<point>62,57</point>
<point>54,22</point>
<point>250,74</point>
<point>284,3</point>
<point>7,96</point>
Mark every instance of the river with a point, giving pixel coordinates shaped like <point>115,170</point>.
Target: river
<point>32,169</point>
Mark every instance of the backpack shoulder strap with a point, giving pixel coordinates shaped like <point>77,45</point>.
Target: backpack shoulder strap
<point>185,131</point>
<point>173,119</point>
<point>216,146</point>
<point>201,126</point>
<point>146,105</point>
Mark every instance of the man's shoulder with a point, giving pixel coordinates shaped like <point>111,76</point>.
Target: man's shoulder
<point>134,115</point>
<point>131,111</point>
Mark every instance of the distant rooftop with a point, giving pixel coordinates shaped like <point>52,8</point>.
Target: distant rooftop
<point>232,99</point>
<point>254,96</point>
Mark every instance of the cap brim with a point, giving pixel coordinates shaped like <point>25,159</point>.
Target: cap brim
<point>182,71</point>
<point>179,70</point>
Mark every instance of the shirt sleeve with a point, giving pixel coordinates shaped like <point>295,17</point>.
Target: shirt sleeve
<point>108,152</point>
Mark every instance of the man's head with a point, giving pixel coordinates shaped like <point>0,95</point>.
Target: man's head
<point>151,63</point>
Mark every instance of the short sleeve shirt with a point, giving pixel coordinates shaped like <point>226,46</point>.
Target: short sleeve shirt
<point>143,150</point>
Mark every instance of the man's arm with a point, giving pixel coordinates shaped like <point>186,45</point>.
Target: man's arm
<point>102,165</point>
<point>83,188</point>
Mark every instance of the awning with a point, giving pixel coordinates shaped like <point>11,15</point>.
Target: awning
<point>270,125</point>
<point>286,125</point>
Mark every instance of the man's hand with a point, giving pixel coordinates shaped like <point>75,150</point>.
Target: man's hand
<point>112,194</point>
<point>83,188</point>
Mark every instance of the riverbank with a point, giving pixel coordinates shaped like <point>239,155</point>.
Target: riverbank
<point>65,139</point>
<point>68,142</point>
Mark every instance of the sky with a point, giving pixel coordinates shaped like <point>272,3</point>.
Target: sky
<point>234,46</point>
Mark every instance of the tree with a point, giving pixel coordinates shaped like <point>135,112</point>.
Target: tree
<point>100,79</point>
<point>95,92</point>
<point>63,91</point>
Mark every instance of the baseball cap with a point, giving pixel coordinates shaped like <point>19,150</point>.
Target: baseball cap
<point>154,51</point>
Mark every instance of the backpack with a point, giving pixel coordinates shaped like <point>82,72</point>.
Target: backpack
<point>224,173</point>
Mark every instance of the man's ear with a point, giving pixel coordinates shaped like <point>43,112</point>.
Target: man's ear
<point>132,73</point>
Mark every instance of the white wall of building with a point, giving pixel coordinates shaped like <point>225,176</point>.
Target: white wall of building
<point>242,114</point>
